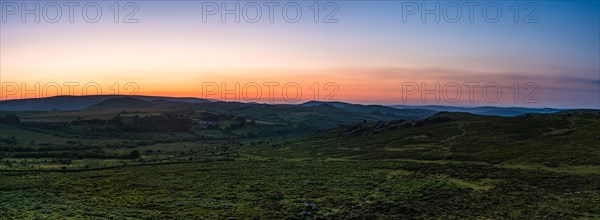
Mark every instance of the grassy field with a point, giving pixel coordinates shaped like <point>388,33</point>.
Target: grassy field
<point>282,188</point>
<point>450,166</point>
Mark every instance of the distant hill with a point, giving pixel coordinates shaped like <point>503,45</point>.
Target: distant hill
<point>414,113</point>
<point>123,103</point>
<point>281,118</point>
<point>371,112</point>
<point>578,111</point>
<point>70,103</point>
<point>312,116</point>
<point>483,110</point>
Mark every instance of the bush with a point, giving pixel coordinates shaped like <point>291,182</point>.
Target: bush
<point>10,119</point>
<point>135,154</point>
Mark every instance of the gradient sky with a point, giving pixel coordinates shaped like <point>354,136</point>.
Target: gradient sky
<point>370,53</point>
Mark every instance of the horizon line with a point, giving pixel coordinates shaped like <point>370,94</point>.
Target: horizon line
<point>395,105</point>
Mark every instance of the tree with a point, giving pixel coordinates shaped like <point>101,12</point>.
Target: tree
<point>11,119</point>
<point>11,140</point>
<point>134,154</point>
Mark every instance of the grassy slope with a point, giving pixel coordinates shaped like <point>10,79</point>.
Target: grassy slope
<point>442,170</point>
<point>546,139</point>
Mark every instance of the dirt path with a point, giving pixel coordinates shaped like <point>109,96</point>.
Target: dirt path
<point>446,142</point>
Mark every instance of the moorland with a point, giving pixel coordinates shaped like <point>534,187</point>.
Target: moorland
<point>162,158</point>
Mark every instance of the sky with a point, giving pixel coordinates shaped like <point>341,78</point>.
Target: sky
<point>502,53</point>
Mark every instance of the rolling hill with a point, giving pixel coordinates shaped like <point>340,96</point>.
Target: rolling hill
<point>337,160</point>
<point>414,113</point>
<point>553,140</point>
<point>71,103</point>
<point>483,110</point>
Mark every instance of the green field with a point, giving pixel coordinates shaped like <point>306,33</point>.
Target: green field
<point>247,165</point>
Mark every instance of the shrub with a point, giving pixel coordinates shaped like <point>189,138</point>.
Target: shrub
<point>135,154</point>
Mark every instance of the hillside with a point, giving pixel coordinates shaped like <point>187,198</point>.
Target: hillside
<point>278,118</point>
<point>551,140</point>
<point>71,103</point>
<point>412,113</point>
<point>483,110</point>
<point>227,160</point>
